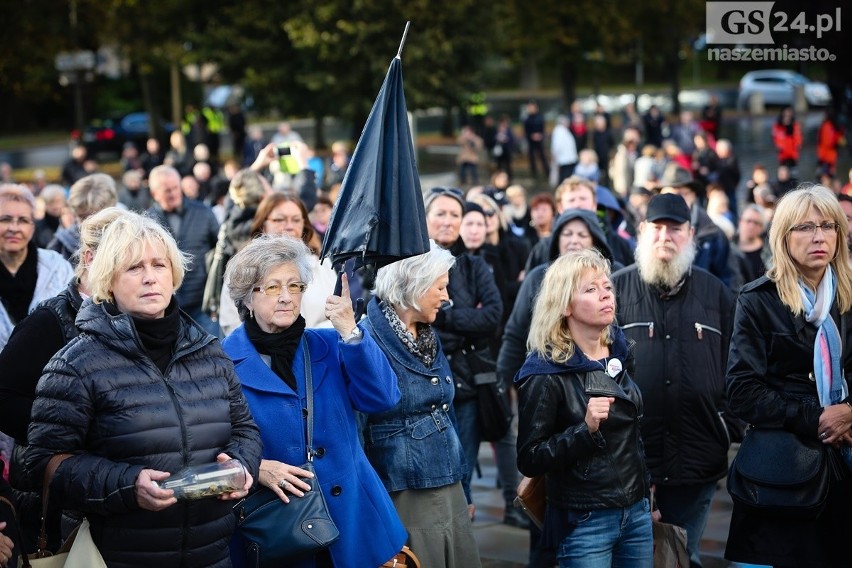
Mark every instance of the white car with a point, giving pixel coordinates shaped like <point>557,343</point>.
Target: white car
<point>778,88</point>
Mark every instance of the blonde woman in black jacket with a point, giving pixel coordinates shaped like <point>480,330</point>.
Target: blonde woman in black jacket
<point>578,421</point>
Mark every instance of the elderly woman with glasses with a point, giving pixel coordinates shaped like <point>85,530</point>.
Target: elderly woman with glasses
<point>284,214</point>
<point>29,274</point>
<point>790,354</point>
<point>273,353</point>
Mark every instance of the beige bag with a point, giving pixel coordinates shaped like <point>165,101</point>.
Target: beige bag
<point>79,551</point>
<point>670,546</point>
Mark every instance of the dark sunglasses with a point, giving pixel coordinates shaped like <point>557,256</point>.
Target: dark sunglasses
<point>451,191</point>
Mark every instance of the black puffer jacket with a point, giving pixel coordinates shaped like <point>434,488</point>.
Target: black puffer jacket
<point>583,470</point>
<point>681,352</point>
<point>102,399</point>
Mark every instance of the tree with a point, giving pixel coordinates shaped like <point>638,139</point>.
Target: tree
<point>330,58</point>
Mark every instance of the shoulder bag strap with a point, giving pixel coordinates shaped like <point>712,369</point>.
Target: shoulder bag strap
<point>309,396</point>
<point>52,466</point>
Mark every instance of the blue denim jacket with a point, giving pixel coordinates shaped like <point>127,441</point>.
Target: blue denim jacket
<point>414,445</point>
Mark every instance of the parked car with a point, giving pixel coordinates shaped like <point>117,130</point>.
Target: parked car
<point>109,135</point>
<point>778,88</point>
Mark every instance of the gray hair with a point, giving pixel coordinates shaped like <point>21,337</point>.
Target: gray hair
<point>91,194</point>
<point>52,191</point>
<point>250,266</point>
<point>403,283</point>
<point>20,193</point>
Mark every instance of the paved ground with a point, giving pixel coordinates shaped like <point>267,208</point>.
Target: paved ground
<point>503,546</point>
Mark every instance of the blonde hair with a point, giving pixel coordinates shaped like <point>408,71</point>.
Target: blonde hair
<point>572,184</point>
<point>549,334</point>
<point>789,212</point>
<point>123,244</point>
<point>91,232</point>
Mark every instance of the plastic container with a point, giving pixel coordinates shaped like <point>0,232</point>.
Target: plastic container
<point>208,480</point>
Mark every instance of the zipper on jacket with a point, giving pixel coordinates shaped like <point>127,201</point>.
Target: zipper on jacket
<point>648,324</point>
<point>721,416</point>
<point>700,327</point>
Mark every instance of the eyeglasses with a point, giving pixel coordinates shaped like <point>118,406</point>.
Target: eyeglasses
<point>489,212</point>
<point>810,228</point>
<point>293,288</point>
<point>20,221</point>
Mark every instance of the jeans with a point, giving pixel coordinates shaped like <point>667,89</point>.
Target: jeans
<point>687,506</point>
<point>467,429</point>
<point>468,171</point>
<point>621,538</point>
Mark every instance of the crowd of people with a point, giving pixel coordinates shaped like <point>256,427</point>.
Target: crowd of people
<point>642,314</point>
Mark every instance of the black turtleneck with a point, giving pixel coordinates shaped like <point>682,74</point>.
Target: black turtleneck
<point>16,291</point>
<point>159,336</point>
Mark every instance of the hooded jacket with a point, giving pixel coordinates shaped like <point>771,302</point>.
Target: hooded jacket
<point>584,470</point>
<point>513,349</point>
<point>103,399</point>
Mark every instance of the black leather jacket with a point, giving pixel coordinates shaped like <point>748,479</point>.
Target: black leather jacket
<point>584,471</point>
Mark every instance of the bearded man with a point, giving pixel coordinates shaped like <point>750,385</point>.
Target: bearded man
<point>680,317</point>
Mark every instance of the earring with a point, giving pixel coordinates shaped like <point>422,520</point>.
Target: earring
<point>251,314</point>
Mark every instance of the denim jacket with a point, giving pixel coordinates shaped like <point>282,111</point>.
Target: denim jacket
<point>414,445</point>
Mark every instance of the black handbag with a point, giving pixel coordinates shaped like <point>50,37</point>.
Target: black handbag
<point>275,532</point>
<point>779,473</point>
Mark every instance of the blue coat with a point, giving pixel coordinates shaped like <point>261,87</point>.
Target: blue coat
<point>414,445</point>
<point>345,378</point>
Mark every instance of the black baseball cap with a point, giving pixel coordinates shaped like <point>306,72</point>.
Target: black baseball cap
<point>668,206</point>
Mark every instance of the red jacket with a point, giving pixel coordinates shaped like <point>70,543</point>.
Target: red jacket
<point>828,138</point>
<point>788,145</point>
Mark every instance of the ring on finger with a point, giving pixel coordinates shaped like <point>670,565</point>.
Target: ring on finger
<point>823,436</point>
<point>283,484</point>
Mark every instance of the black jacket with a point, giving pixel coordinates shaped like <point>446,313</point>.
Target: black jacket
<point>472,319</point>
<point>33,342</point>
<point>102,399</point>
<point>199,230</point>
<point>583,470</point>
<point>771,361</point>
<point>681,351</point>
<point>769,385</point>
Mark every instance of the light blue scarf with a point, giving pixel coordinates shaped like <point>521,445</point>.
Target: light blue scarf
<point>828,348</point>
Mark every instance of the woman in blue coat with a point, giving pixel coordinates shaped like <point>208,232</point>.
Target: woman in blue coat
<point>267,279</point>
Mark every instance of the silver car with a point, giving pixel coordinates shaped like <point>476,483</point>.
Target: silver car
<point>778,88</point>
